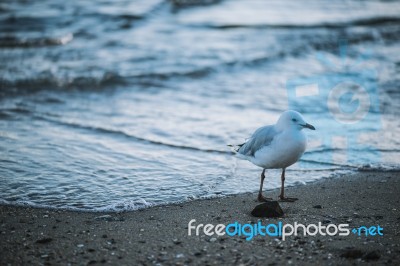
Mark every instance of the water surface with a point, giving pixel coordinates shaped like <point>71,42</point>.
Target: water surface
<point>118,105</point>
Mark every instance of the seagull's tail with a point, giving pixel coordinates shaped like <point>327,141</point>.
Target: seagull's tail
<point>236,148</point>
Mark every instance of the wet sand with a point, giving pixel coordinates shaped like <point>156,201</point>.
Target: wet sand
<point>159,235</point>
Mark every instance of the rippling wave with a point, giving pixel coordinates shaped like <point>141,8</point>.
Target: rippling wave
<point>14,42</point>
<point>378,21</point>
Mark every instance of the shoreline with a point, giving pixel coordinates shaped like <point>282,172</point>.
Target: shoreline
<point>159,234</point>
<point>5,203</point>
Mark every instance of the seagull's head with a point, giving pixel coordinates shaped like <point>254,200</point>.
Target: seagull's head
<point>293,119</point>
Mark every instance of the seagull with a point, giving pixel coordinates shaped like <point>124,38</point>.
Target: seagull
<point>276,147</point>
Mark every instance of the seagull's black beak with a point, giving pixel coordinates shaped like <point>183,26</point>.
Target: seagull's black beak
<point>309,126</point>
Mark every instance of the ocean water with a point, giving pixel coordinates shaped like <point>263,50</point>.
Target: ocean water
<point>120,105</point>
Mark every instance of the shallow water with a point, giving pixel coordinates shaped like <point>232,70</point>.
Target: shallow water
<point>118,105</point>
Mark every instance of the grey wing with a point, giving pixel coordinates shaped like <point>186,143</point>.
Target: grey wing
<point>260,138</point>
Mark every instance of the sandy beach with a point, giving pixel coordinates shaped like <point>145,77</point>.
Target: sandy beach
<point>159,235</point>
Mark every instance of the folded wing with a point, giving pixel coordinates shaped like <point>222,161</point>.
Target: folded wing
<point>261,137</point>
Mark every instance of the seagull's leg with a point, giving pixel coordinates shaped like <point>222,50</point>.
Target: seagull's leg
<point>282,195</point>
<point>260,196</point>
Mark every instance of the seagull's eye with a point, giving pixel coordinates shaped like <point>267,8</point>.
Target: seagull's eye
<point>294,119</point>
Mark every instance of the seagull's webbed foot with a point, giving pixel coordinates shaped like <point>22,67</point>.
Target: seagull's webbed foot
<point>287,199</point>
<point>261,198</point>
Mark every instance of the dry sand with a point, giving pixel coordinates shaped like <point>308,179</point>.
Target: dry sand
<point>159,235</point>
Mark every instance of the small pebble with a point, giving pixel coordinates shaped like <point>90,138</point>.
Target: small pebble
<point>44,240</point>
